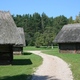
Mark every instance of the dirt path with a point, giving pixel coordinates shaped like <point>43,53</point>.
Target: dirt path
<point>52,68</point>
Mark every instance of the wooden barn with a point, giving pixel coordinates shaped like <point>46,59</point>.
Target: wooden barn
<point>8,37</point>
<point>18,48</point>
<point>69,39</point>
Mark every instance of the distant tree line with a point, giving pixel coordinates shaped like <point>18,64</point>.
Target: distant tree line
<point>40,30</point>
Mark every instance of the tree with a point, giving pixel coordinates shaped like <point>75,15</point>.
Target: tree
<point>49,36</point>
<point>40,29</point>
<point>44,21</point>
<point>46,38</point>
<point>39,41</point>
<point>77,20</point>
<point>37,22</point>
<point>59,22</point>
<point>70,20</point>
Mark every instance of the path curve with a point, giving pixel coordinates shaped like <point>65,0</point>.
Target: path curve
<point>52,68</point>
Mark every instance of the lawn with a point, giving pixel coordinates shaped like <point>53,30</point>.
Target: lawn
<point>72,59</point>
<point>21,68</point>
<point>34,48</point>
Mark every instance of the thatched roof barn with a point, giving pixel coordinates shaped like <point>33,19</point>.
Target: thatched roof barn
<point>21,32</point>
<point>69,38</point>
<point>18,49</point>
<point>8,29</point>
<point>8,36</point>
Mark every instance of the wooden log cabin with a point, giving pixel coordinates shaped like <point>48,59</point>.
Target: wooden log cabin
<point>69,39</point>
<point>18,48</point>
<point>8,37</point>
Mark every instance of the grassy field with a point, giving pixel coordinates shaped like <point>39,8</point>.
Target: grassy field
<point>72,59</point>
<point>23,65</point>
<point>21,68</point>
<point>34,48</point>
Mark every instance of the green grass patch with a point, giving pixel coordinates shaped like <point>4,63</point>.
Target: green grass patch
<point>21,68</point>
<point>23,65</point>
<point>72,59</point>
<point>34,48</point>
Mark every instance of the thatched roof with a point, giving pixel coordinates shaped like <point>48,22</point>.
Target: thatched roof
<point>69,33</point>
<point>21,33</point>
<point>8,29</point>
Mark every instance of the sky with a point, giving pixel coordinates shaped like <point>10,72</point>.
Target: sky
<point>51,8</point>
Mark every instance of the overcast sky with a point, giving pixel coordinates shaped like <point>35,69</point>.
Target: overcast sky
<point>52,8</point>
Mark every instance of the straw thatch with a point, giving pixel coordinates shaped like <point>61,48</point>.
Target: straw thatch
<point>8,37</point>
<point>18,49</point>
<point>21,33</point>
<point>8,29</point>
<point>69,39</point>
<point>69,34</point>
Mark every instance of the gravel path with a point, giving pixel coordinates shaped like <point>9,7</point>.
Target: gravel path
<point>52,68</point>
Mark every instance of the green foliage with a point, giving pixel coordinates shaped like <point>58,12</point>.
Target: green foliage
<point>46,38</point>
<point>70,20</point>
<point>59,22</point>
<point>38,42</point>
<point>77,20</point>
<point>40,29</point>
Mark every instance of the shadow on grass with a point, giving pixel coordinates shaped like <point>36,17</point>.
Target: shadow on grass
<point>27,53</point>
<point>4,62</point>
<point>28,77</point>
<point>16,62</point>
<point>21,62</point>
<point>36,77</point>
<point>17,77</point>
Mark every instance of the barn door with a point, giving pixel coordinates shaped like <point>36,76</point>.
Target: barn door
<point>78,47</point>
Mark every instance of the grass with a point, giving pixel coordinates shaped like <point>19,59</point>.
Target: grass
<point>34,48</point>
<point>21,68</point>
<point>72,59</point>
